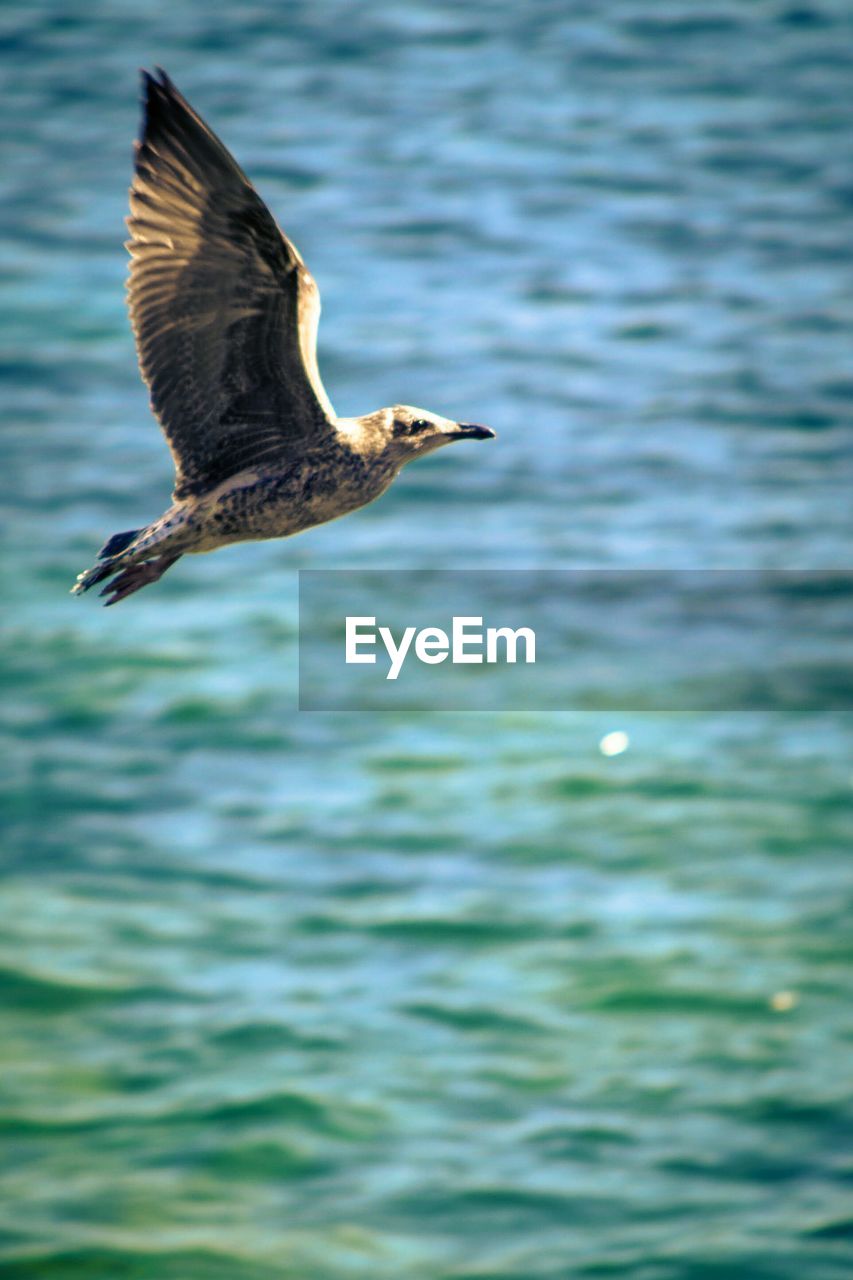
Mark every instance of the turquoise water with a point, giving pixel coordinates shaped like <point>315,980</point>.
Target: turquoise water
<point>459,997</point>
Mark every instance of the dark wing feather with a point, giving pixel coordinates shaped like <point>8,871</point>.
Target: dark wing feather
<point>223,309</point>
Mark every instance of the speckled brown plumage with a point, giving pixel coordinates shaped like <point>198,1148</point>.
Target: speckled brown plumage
<point>225,316</point>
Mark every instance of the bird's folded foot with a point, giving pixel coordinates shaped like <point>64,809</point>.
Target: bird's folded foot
<point>137,576</point>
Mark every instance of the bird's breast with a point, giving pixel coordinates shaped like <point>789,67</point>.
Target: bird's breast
<point>286,501</point>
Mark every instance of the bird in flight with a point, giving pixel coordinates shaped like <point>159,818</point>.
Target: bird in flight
<point>225,312</point>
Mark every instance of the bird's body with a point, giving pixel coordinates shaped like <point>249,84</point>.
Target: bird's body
<point>225,317</point>
<point>270,503</point>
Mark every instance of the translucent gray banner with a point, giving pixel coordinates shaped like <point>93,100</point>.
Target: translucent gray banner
<point>575,640</point>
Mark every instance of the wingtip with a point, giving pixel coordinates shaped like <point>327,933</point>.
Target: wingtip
<point>147,86</point>
<point>155,85</point>
<point>157,99</point>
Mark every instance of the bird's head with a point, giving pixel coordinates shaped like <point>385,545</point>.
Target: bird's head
<point>411,433</point>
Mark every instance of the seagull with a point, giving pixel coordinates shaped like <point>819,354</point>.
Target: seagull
<point>224,313</point>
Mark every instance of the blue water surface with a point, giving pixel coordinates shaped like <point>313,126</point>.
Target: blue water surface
<point>459,997</point>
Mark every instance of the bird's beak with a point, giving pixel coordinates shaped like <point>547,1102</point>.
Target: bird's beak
<point>471,431</point>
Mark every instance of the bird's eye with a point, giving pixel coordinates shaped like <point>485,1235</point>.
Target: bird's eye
<point>403,428</point>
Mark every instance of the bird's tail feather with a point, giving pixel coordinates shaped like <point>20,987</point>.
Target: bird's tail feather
<point>133,559</point>
<point>118,542</point>
<point>127,569</point>
<point>127,576</point>
<point>109,561</point>
<point>113,556</point>
<point>91,577</point>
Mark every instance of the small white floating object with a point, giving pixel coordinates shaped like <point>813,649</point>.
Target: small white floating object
<point>783,1001</point>
<point>613,744</point>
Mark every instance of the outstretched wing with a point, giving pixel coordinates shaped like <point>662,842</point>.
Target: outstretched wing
<point>223,309</point>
